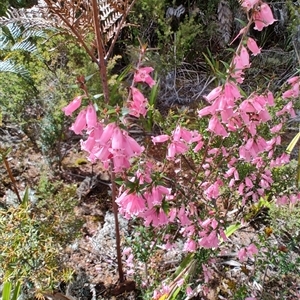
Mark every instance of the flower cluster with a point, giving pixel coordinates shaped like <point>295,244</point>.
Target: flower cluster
<point>138,104</point>
<point>109,143</point>
<point>180,141</point>
<point>248,252</point>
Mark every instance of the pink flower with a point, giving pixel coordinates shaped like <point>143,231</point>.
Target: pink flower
<point>189,291</point>
<point>252,46</point>
<point>156,195</point>
<point>242,254</point>
<point>112,143</point>
<point>208,273</point>
<point>182,133</point>
<point>241,62</point>
<point>214,94</point>
<point>248,4</point>
<point>293,80</point>
<point>231,91</point>
<point>294,91</point>
<point>245,253</point>
<point>71,107</point>
<point>287,109</point>
<point>142,75</point>
<point>244,56</point>
<point>138,105</point>
<point>131,203</point>
<point>91,116</point>
<point>159,139</point>
<point>183,217</point>
<point>205,111</point>
<point>80,122</point>
<point>263,17</point>
<point>190,246</point>
<point>176,147</point>
<point>252,250</point>
<point>216,127</point>
<point>210,241</point>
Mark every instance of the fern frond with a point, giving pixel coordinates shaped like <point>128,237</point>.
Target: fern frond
<point>10,66</point>
<point>14,30</point>
<point>24,46</point>
<point>225,22</point>
<point>37,18</point>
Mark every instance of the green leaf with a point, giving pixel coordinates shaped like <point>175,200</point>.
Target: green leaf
<point>154,91</point>
<point>4,154</point>
<point>97,96</point>
<point>187,260</point>
<point>16,291</point>
<point>209,62</point>
<point>87,78</point>
<point>6,291</point>
<point>119,181</point>
<point>293,143</point>
<point>232,229</point>
<point>25,199</point>
<point>175,294</point>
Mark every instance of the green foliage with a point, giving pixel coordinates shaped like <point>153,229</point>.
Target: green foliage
<point>176,39</point>
<point>8,293</point>
<point>32,236</point>
<point>26,252</point>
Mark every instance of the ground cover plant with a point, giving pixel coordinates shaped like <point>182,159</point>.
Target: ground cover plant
<point>209,182</point>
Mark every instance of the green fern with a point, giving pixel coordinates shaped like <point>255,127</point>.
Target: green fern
<point>10,66</point>
<point>14,37</point>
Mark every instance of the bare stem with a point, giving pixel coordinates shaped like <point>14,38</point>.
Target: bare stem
<point>117,227</point>
<point>12,178</point>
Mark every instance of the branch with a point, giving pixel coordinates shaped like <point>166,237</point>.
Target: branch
<point>101,51</point>
<point>74,31</point>
<point>124,16</point>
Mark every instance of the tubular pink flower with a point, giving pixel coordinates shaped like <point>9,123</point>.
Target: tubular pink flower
<point>91,116</point>
<point>138,105</point>
<point>244,55</point>
<point>190,246</point>
<point>213,94</point>
<point>287,109</point>
<point>89,144</point>
<point>142,75</point>
<point>293,80</point>
<point>252,46</point>
<point>71,107</point>
<point>182,133</point>
<point>80,122</point>
<point>276,128</point>
<point>131,203</point>
<point>176,147</point>
<point>132,146</point>
<point>210,241</point>
<point>216,127</point>
<point>160,138</point>
<point>263,17</point>
<point>231,91</point>
<point>205,111</point>
<point>248,4</point>
<point>242,254</point>
<point>241,62</point>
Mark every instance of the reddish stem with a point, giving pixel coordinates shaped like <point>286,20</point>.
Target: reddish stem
<point>117,227</point>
